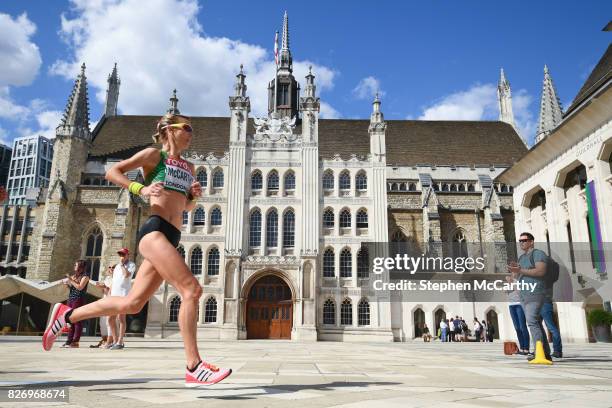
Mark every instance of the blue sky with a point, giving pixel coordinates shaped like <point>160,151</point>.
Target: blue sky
<point>429,59</point>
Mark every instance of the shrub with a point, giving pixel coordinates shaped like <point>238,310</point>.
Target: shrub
<point>599,317</point>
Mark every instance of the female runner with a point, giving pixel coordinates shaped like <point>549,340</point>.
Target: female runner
<point>171,189</point>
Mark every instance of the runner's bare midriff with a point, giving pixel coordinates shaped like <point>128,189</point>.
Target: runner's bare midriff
<point>170,206</point>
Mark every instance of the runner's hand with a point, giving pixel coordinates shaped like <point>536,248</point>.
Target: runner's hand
<point>154,190</point>
<point>196,189</point>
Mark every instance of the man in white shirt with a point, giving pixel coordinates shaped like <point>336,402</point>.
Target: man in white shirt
<point>122,283</point>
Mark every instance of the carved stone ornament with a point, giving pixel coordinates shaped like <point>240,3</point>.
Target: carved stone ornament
<point>272,260</point>
<point>274,129</point>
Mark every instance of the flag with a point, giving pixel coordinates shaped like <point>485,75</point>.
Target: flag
<point>276,48</point>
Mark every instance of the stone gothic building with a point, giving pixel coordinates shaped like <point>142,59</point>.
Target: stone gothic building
<point>276,239</point>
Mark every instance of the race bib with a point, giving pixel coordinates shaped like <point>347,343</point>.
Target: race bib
<point>178,175</point>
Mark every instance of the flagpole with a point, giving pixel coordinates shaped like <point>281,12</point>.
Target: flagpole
<point>276,72</point>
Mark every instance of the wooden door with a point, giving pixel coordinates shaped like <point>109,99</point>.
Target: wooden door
<point>269,309</point>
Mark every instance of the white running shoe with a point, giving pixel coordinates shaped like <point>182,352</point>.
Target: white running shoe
<point>56,324</point>
<point>206,374</point>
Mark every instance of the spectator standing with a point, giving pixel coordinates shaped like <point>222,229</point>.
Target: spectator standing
<point>531,268</point>
<point>77,285</point>
<point>518,318</point>
<point>121,285</point>
<point>477,329</point>
<point>443,330</point>
<point>107,339</point>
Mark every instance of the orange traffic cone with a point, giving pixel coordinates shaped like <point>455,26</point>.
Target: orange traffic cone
<point>540,358</point>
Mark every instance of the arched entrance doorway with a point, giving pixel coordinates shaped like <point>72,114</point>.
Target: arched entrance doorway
<point>419,322</point>
<point>269,309</point>
<point>492,320</point>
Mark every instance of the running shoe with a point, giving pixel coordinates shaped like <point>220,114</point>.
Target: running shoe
<point>117,346</point>
<point>206,374</point>
<point>56,324</point>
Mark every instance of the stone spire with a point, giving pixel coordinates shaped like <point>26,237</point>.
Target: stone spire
<point>112,93</point>
<point>550,108</point>
<point>240,86</point>
<point>75,121</point>
<point>173,109</point>
<point>504,98</point>
<point>286,62</point>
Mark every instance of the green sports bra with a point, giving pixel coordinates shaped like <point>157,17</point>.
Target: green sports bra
<point>174,173</point>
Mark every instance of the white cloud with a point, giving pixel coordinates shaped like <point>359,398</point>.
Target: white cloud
<point>523,117</point>
<point>161,47</point>
<point>367,88</point>
<point>328,112</point>
<point>20,57</point>
<point>46,121</point>
<point>477,103</point>
<point>480,103</point>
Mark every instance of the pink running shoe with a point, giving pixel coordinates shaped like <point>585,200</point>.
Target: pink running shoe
<point>56,324</point>
<point>206,374</point>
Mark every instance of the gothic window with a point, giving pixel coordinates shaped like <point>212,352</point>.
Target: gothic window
<point>329,263</point>
<point>290,181</point>
<point>328,180</point>
<point>201,177</point>
<point>185,218</point>
<point>361,181</point>
<point>289,229</point>
<point>255,229</point>
<point>217,181</point>
<point>363,313</point>
<point>256,181</point>
<point>453,187</point>
<point>461,187</point>
<point>445,187</point>
<point>181,251</point>
<point>345,180</point>
<point>273,181</point>
<point>328,218</point>
<point>199,216</point>
<point>272,229</point>
<point>213,262</point>
<point>93,253</point>
<point>363,263</point>
<point>216,218</point>
<point>471,188</point>
<point>411,187</point>
<point>210,310</point>
<point>329,312</point>
<point>362,219</point>
<point>196,261</point>
<point>175,305</point>
<point>346,263</point>
<point>459,244</point>
<point>346,313</point>
<point>345,218</point>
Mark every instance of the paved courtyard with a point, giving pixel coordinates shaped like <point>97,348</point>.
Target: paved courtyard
<point>325,374</point>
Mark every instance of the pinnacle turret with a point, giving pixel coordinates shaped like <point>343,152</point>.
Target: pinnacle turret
<point>112,93</point>
<point>376,118</point>
<point>504,98</point>
<point>240,86</point>
<point>75,121</point>
<point>550,108</point>
<point>173,109</point>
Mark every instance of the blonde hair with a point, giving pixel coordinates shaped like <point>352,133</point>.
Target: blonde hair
<point>167,119</point>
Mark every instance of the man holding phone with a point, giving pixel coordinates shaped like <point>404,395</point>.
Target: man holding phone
<point>531,268</point>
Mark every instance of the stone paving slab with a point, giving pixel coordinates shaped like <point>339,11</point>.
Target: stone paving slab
<point>150,373</point>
